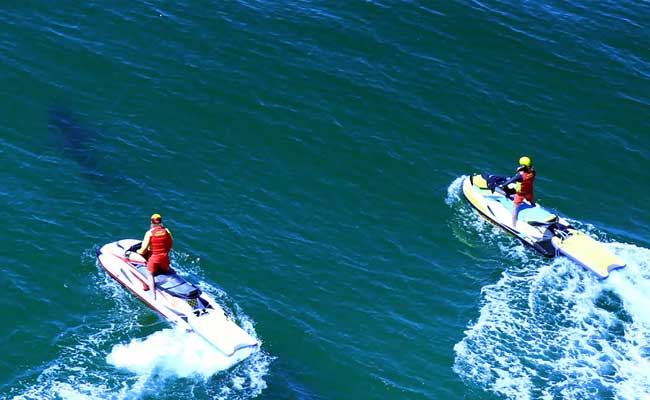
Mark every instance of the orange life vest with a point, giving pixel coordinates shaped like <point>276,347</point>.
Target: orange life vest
<point>525,187</point>
<point>161,241</point>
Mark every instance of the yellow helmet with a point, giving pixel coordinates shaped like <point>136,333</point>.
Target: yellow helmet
<point>156,219</point>
<point>525,161</point>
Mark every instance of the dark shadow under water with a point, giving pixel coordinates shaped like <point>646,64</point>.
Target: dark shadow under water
<point>82,144</point>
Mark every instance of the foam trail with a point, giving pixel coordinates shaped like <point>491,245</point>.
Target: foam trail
<point>454,190</point>
<point>632,285</point>
<point>556,331</point>
<point>169,351</point>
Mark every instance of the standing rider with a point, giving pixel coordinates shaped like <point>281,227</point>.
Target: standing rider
<point>524,177</point>
<point>156,245</point>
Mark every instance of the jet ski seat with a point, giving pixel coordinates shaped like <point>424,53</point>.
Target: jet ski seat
<point>177,286</point>
<point>173,284</point>
<point>528,213</point>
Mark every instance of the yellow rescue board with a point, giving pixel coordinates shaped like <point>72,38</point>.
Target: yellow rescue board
<point>588,252</point>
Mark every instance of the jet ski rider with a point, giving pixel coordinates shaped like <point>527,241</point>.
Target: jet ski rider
<point>525,177</point>
<point>155,248</point>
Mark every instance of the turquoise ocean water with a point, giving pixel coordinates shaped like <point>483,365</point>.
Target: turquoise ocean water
<point>308,157</point>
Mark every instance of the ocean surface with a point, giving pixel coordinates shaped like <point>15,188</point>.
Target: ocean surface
<point>308,157</point>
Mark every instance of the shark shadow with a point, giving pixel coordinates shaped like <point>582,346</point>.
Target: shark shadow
<point>80,144</point>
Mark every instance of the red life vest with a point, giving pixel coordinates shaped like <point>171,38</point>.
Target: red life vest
<point>525,187</point>
<point>161,241</point>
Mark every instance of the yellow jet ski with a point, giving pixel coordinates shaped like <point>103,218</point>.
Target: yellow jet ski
<point>549,234</point>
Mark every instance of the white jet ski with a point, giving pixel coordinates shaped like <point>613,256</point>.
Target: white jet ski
<point>536,227</point>
<point>177,300</point>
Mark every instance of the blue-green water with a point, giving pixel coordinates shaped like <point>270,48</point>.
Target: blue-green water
<point>308,156</point>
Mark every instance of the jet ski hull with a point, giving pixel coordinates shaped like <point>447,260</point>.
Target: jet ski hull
<point>177,300</point>
<point>547,233</point>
